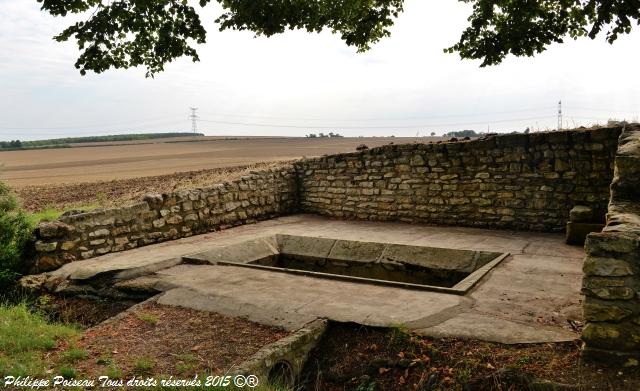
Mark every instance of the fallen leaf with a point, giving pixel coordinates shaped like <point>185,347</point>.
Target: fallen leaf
<point>383,370</point>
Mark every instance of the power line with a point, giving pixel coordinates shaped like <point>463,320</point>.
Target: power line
<point>158,122</point>
<point>371,127</point>
<point>194,119</point>
<point>379,118</point>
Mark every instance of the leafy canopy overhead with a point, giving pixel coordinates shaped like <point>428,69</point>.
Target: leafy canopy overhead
<point>151,33</point>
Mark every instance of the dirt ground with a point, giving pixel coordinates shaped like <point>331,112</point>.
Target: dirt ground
<point>78,311</point>
<point>163,340</point>
<point>162,157</point>
<point>354,357</point>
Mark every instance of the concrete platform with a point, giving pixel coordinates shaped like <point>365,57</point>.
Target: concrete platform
<point>527,298</point>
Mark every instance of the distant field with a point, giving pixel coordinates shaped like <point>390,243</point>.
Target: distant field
<point>126,160</point>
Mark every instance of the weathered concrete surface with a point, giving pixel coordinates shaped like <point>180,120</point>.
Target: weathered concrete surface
<point>527,298</point>
<point>291,300</point>
<point>243,252</point>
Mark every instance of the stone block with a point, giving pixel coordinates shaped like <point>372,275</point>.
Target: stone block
<point>610,243</point>
<point>612,293</point>
<point>624,336</point>
<point>46,247</point>
<point>581,214</point>
<point>307,247</point>
<point>606,267</point>
<point>121,240</point>
<point>47,263</point>
<point>245,252</point>
<point>68,245</point>
<point>155,201</point>
<point>52,230</point>
<point>173,220</point>
<point>355,251</point>
<point>594,311</point>
<point>191,217</point>
<point>99,233</point>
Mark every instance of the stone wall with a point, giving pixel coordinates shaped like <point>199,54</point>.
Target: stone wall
<point>259,196</point>
<point>611,281</point>
<point>515,181</point>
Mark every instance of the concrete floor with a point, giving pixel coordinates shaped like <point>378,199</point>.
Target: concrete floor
<point>527,298</point>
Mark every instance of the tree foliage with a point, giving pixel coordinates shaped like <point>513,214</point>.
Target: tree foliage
<point>526,27</point>
<point>15,234</point>
<point>151,33</point>
<point>462,133</point>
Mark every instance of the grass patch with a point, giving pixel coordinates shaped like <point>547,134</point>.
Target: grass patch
<point>48,214</point>
<point>143,365</point>
<point>113,372</point>
<point>51,213</point>
<point>24,338</point>
<point>186,363</point>
<point>147,317</point>
<point>68,373</point>
<point>74,355</point>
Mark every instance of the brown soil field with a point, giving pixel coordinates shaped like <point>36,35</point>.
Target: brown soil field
<point>166,156</point>
<point>115,193</point>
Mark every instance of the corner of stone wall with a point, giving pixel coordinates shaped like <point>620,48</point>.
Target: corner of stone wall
<point>611,282</point>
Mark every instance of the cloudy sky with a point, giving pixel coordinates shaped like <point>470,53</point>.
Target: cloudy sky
<point>297,82</point>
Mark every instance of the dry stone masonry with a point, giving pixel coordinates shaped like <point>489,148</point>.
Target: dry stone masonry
<point>516,181</point>
<point>259,196</point>
<point>612,265</point>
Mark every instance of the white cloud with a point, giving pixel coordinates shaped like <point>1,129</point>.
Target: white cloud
<point>405,80</point>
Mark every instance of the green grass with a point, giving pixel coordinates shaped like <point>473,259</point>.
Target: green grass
<point>48,214</point>
<point>187,363</point>
<point>73,355</point>
<point>113,372</point>
<point>147,317</point>
<point>51,214</point>
<point>143,365</point>
<point>25,337</point>
<point>68,373</point>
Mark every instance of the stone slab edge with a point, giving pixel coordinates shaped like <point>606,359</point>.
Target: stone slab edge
<point>292,349</point>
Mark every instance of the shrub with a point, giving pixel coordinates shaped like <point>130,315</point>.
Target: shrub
<point>15,234</point>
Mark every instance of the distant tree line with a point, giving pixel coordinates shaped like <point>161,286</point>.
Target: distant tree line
<point>65,142</point>
<point>322,135</point>
<point>13,144</point>
<point>462,133</point>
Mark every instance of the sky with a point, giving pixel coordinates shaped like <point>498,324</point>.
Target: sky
<point>298,83</point>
